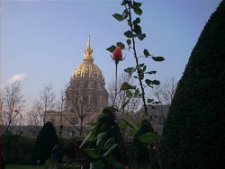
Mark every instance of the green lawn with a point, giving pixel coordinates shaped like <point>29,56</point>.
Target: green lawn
<point>23,167</point>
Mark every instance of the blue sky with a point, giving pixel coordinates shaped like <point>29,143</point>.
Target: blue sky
<point>42,41</point>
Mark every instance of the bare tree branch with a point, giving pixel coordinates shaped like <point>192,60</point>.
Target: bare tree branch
<point>80,104</point>
<point>34,115</point>
<point>134,102</point>
<point>14,102</point>
<point>47,99</point>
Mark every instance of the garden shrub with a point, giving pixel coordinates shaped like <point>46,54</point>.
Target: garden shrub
<point>46,140</point>
<point>18,149</point>
<point>194,132</point>
<point>69,149</point>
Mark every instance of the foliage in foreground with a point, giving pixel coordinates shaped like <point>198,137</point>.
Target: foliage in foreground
<point>104,144</point>
<point>194,132</point>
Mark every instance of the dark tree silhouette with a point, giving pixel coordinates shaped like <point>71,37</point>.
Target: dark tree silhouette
<point>194,132</point>
<point>46,140</point>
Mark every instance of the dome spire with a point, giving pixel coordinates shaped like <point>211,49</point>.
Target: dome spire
<point>88,51</point>
<point>89,42</point>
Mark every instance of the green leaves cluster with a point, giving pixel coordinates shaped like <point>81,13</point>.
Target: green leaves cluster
<point>103,143</point>
<point>135,127</point>
<point>105,147</point>
<point>140,71</point>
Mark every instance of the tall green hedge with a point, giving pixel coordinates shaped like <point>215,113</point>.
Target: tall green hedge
<point>18,149</point>
<point>194,132</point>
<point>46,140</point>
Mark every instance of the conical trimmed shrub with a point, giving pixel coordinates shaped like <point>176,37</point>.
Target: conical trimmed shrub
<point>46,140</point>
<point>194,132</point>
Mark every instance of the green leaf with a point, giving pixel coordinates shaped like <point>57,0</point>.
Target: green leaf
<point>151,72</point>
<point>125,14</point>
<point>100,138</point>
<point>111,48</point>
<point>93,153</point>
<point>141,36</point>
<point>140,95</point>
<point>141,75</point>
<point>148,81</point>
<point>152,82</point>
<point>137,29</point>
<point>156,82</point>
<point>130,70</point>
<point>137,4</point>
<point>158,58</point>
<point>97,165</point>
<point>136,21</point>
<point>144,68</point>
<point>128,42</point>
<point>129,94</point>
<point>148,138</point>
<point>130,121</point>
<point>136,93</point>
<point>150,100</point>
<point>129,23</point>
<point>146,53</point>
<point>128,34</point>
<point>125,2</point>
<point>118,17</point>
<point>127,86</point>
<point>138,11</point>
<point>109,143</point>
<point>140,65</point>
<point>88,138</point>
<point>110,150</point>
<point>120,44</point>
<point>102,135</point>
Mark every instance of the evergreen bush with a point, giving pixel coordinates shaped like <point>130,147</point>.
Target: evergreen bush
<point>46,140</point>
<point>194,132</point>
<point>18,149</point>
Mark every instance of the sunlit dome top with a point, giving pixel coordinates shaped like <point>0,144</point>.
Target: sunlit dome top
<point>88,68</point>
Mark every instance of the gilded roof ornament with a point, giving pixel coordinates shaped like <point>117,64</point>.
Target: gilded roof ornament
<point>88,68</point>
<point>88,51</point>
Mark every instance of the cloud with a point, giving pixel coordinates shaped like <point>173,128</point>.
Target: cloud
<point>17,77</point>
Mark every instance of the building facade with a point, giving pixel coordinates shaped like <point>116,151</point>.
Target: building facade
<point>85,97</point>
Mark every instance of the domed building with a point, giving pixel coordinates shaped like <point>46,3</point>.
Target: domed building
<point>86,95</point>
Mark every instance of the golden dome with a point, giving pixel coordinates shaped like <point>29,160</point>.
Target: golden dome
<point>88,68</point>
